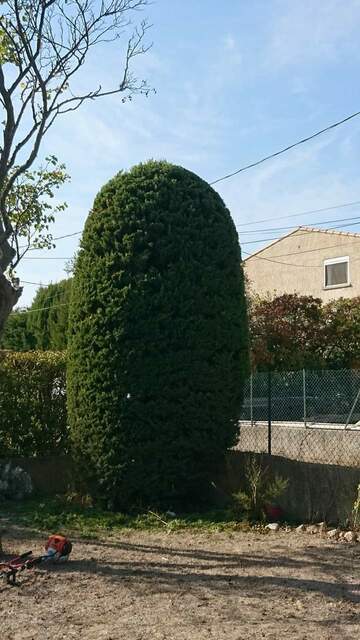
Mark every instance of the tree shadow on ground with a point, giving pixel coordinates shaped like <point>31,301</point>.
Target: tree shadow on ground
<point>312,556</point>
<point>170,567</point>
<point>179,569</point>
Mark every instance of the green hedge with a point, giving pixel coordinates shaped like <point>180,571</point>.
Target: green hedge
<point>46,326</point>
<point>33,417</point>
<point>158,341</point>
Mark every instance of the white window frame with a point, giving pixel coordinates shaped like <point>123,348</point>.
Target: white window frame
<point>337,261</point>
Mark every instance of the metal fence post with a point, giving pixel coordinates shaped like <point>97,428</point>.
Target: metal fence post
<point>251,401</point>
<point>352,409</point>
<point>269,413</point>
<point>304,397</point>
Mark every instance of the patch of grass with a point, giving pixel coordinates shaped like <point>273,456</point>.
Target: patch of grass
<point>60,515</point>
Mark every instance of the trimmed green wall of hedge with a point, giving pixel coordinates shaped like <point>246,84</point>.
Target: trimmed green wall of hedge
<point>33,416</point>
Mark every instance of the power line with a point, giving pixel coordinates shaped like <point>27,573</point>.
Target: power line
<point>39,284</point>
<point>285,149</point>
<point>302,213</point>
<point>242,232</point>
<point>69,235</point>
<point>308,212</point>
<point>243,224</point>
<point>247,232</point>
<point>52,296</point>
<point>33,248</point>
<point>47,258</point>
<point>352,224</point>
<point>242,244</point>
<point>262,230</point>
<point>297,253</point>
<point>63,304</point>
<point>313,224</point>
<point>347,204</point>
<point>291,264</point>
<point>332,246</point>
<point>288,264</point>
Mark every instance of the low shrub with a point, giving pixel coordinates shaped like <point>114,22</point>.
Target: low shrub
<point>260,492</point>
<point>33,417</point>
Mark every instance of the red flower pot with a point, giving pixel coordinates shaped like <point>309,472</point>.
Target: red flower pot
<point>273,512</point>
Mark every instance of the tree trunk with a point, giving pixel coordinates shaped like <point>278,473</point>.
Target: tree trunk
<point>9,295</point>
<point>9,292</point>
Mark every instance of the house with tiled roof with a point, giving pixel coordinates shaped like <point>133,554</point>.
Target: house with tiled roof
<point>324,263</point>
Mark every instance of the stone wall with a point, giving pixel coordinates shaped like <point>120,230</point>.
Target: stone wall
<point>50,475</point>
<point>316,492</point>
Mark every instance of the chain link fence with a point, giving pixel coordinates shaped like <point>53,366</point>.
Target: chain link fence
<point>312,416</point>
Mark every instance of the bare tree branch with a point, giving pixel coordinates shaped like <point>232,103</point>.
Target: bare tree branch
<point>43,46</point>
<point>50,41</point>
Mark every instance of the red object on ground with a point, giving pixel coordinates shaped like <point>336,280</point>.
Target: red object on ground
<point>60,545</point>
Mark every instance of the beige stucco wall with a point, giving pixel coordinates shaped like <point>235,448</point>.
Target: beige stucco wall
<point>274,271</point>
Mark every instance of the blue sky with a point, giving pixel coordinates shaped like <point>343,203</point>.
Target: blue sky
<point>234,81</point>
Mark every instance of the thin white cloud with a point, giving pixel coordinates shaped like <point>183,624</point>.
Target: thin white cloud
<point>294,182</point>
<point>198,109</point>
<point>229,42</point>
<point>232,55</point>
<point>311,31</point>
<point>298,86</point>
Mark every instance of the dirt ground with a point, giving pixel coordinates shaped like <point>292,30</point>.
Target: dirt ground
<point>142,586</point>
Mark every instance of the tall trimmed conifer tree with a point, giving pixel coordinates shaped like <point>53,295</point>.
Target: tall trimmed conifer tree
<point>158,339</point>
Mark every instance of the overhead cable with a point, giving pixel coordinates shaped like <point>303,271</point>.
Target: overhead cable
<point>285,149</point>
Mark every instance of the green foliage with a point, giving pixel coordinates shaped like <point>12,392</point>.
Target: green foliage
<point>31,207</point>
<point>8,54</point>
<point>61,514</point>
<point>158,345</point>
<point>292,332</point>
<point>33,418</point>
<point>49,327</point>
<point>260,489</point>
<point>16,335</point>
<point>45,329</point>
